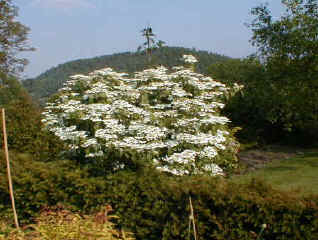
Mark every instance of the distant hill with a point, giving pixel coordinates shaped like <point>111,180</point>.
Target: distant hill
<point>50,81</point>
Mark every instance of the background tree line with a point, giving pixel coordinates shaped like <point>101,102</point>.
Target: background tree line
<point>280,99</point>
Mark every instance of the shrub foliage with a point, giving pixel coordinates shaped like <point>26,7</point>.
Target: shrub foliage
<point>156,206</point>
<point>23,122</point>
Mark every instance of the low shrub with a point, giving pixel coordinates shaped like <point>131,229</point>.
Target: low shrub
<point>156,206</point>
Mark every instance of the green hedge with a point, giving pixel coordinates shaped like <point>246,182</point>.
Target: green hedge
<point>156,206</point>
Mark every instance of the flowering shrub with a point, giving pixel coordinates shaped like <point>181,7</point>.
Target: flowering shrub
<point>166,118</point>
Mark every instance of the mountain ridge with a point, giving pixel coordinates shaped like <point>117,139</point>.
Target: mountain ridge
<point>48,82</point>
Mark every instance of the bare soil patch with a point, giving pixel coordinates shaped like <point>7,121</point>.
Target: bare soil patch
<point>254,159</point>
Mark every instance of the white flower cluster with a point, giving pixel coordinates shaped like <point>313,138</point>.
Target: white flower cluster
<point>168,116</point>
<point>189,59</point>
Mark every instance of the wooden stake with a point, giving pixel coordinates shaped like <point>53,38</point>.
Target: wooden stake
<point>6,152</point>
<point>192,219</point>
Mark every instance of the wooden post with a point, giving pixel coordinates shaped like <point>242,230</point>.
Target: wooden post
<point>6,153</point>
<point>192,219</point>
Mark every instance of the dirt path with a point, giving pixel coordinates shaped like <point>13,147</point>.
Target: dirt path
<point>257,158</point>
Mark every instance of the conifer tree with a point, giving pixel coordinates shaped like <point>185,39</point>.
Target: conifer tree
<point>151,42</point>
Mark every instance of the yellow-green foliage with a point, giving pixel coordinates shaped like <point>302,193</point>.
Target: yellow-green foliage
<point>65,225</point>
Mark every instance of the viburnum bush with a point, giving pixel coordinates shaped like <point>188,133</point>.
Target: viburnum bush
<point>165,118</point>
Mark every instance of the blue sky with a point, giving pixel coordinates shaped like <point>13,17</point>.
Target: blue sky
<point>64,30</point>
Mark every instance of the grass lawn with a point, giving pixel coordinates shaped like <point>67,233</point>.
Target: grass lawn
<point>298,174</point>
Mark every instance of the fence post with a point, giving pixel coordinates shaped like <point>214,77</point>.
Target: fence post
<point>191,219</point>
<point>6,153</point>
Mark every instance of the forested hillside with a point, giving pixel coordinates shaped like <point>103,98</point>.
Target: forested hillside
<point>48,82</point>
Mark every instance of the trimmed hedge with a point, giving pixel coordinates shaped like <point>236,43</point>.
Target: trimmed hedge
<point>156,206</point>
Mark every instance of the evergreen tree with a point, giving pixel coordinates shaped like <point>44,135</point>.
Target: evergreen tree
<point>151,43</point>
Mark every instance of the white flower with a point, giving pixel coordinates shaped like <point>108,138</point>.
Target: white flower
<point>208,152</point>
<point>189,59</point>
<point>185,157</point>
<point>89,142</point>
<point>170,116</point>
<point>213,169</point>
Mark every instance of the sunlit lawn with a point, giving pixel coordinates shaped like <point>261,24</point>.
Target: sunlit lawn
<point>298,174</point>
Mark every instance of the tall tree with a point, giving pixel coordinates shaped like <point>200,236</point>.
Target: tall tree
<point>13,39</point>
<point>288,46</point>
<point>151,42</point>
